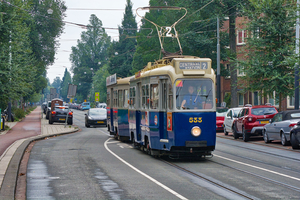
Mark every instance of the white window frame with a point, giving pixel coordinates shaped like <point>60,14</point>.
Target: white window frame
<point>239,99</point>
<point>243,37</point>
<point>274,99</point>
<point>258,98</point>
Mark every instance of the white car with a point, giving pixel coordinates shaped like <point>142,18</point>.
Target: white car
<point>230,116</point>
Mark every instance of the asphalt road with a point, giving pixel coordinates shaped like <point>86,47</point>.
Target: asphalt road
<point>91,165</point>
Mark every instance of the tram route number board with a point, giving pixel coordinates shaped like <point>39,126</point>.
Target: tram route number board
<point>193,65</point>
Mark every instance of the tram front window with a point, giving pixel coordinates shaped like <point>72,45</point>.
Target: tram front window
<point>194,94</point>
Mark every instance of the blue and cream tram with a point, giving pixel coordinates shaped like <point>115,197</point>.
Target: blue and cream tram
<point>172,109</point>
<point>117,107</point>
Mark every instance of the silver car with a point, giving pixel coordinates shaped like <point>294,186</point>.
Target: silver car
<point>280,126</point>
<point>230,116</point>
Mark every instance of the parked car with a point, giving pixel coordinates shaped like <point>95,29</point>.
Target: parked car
<point>59,114</point>
<point>48,109</point>
<point>44,106</point>
<point>221,112</point>
<point>85,106</point>
<point>251,120</point>
<point>230,116</point>
<point>280,126</point>
<point>295,136</point>
<point>96,117</point>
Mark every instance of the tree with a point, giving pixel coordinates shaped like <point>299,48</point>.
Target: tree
<point>99,82</point>
<point>65,85</point>
<point>56,83</point>
<point>122,51</point>
<point>90,54</point>
<point>197,32</point>
<point>270,47</point>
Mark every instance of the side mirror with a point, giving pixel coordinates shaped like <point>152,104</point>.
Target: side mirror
<point>270,121</point>
<point>85,114</point>
<point>298,123</point>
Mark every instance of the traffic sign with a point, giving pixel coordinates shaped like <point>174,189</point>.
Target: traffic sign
<point>97,96</point>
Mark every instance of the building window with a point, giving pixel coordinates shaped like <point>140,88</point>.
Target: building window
<point>256,99</point>
<point>274,100</point>
<point>241,35</point>
<point>120,98</point>
<point>241,99</point>
<point>126,98</point>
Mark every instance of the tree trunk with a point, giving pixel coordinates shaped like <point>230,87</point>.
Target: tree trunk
<point>233,68</point>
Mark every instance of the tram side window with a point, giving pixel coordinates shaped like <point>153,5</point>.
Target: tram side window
<point>126,97</point>
<point>132,96</point>
<point>120,98</point>
<point>115,98</point>
<point>147,96</point>
<point>108,99</point>
<point>144,96</point>
<point>170,92</point>
<point>154,95</point>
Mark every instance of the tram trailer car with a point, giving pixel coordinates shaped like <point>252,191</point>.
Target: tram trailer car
<point>160,122</point>
<point>117,107</point>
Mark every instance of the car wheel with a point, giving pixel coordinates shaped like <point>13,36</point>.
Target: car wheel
<point>284,142</point>
<point>235,134</point>
<point>50,121</point>
<point>294,141</point>
<point>70,122</point>
<point>225,132</point>
<point>47,116</point>
<point>266,137</point>
<point>87,125</point>
<point>246,136</point>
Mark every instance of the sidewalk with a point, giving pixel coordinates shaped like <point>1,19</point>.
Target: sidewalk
<point>14,142</point>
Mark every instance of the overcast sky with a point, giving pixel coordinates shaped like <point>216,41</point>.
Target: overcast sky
<point>79,11</point>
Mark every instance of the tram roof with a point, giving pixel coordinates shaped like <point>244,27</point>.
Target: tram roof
<point>170,66</point>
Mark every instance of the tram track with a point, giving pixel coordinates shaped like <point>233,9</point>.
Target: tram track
<point>208,180</point>
<point>297,189</point>
<point>264,152</point>
<point>261,162</point>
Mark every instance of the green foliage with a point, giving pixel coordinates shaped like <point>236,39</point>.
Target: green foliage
<point>197,32</point>
<point>89,55</point>
<point>270,47</point>
<point>65,85</point>
<point>121,52</point>
<point>27,45</point>
<point>99,82</point>
<point>19,113</point>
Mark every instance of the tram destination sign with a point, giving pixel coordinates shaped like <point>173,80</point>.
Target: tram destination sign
<point>193,65</point>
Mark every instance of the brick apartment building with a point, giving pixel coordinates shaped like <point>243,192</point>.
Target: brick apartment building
<point>253,98</point>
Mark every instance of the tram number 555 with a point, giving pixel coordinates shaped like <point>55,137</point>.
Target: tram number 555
<point>195,120</point>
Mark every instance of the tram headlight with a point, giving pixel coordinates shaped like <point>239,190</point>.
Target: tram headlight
<point>196,131</point>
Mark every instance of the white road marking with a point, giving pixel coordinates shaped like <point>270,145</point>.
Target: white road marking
<point>297,179</point>
<point>142,173</point>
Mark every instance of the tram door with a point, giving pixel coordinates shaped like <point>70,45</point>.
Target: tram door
<point>138,111</point>
<point>163,109</point>
<point>112,128</point>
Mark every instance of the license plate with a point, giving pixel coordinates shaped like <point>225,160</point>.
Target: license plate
<point>264,122</point>
<point>100,122</point>
<point>62,119</point>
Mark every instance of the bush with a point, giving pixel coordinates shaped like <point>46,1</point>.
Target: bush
<point>19,113</point>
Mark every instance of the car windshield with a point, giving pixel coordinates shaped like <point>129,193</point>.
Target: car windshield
<point>236,112</point>
<point>194,94</point>
<point>263,111</point>
<point>221,111</point>
<point>97,112</point>
<point>63,108</point>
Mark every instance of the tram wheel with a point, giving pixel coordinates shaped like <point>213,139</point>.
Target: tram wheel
<point>147,147</point>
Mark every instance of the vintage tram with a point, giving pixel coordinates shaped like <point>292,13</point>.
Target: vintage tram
<point>167,108</point>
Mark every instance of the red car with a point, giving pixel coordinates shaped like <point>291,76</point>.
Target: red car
<point>221,112</point>
<point>251,120</point>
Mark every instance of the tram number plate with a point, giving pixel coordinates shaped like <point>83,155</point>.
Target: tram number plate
<point>196,143</point>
